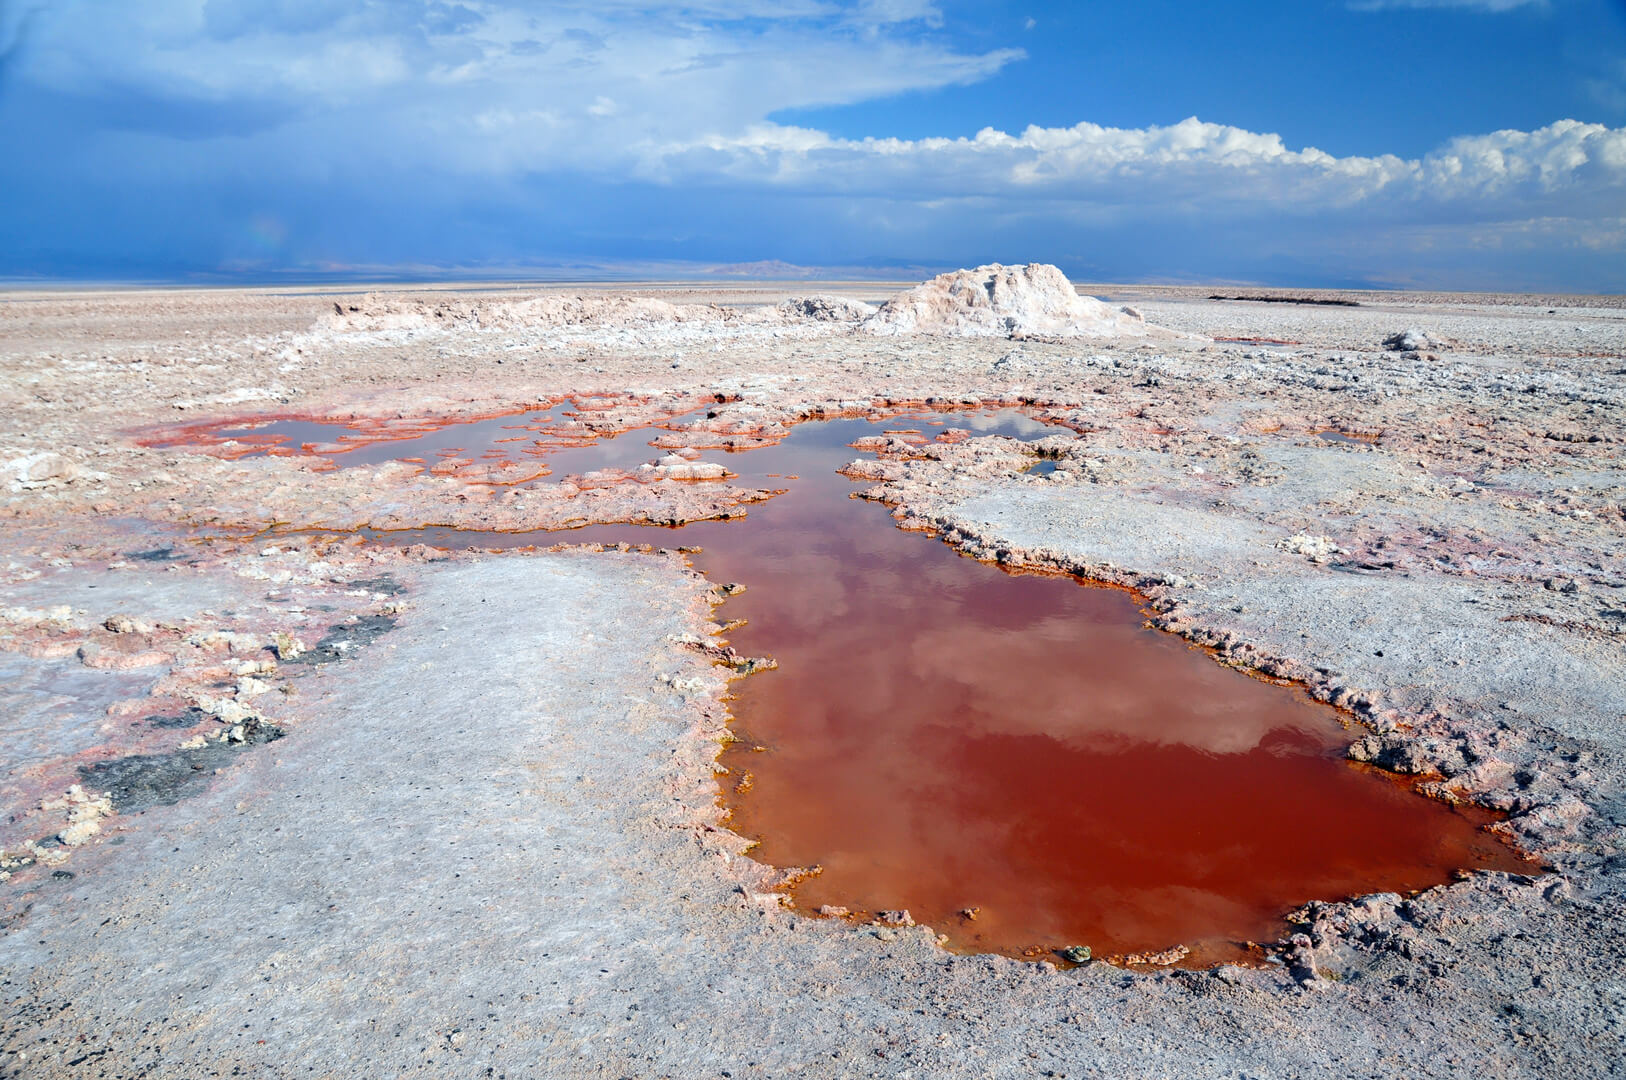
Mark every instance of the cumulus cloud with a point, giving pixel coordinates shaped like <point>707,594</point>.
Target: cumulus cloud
<point>1191,166</point>
<point>682,92</point>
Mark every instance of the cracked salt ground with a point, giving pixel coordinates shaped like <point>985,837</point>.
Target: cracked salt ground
<point>1012,759</point>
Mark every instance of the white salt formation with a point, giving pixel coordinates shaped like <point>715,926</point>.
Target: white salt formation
<point>1035,300</point>
<point>823,308</point>
<point>382,311</point>
<point>1412,341</point>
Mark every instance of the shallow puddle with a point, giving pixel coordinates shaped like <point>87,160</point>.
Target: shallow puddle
<point>513,448</point>
<point>1014,758</point>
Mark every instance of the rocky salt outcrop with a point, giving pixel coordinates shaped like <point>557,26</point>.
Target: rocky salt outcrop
<point>46,470</point>
<point>548,311</point>
<point>381,311</point>
<point>682,465</point>
<point>1412,341</point>
<point>824,308</point>
<point>1035,300</point>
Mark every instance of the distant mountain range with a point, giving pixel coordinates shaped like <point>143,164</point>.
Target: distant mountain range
<point>764,268</point>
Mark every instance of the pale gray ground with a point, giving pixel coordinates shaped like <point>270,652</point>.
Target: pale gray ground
<point>53,706</point>
<point>469,860</point>
<point>490,849</point>
<point>1431,632</point>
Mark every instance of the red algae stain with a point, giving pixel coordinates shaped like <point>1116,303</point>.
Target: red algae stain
<point>503,449</point>
<point>1016,759</point>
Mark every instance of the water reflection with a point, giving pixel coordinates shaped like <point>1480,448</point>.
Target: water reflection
<point>946,737</point>
<point>559,440</point>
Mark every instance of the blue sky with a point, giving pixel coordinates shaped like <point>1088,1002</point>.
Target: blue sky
<point>1428,143</point>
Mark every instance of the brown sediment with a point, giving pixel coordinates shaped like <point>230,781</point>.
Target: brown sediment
<point>943,738</point>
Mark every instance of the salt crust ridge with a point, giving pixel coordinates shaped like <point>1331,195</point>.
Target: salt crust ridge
<point>1035,300</point>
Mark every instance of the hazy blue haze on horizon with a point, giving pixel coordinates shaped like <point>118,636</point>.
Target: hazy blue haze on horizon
<point>1475,144</point>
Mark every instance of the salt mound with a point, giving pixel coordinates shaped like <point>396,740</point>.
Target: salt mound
<point>1412,341</point>
<point>1005,301</point>
<point>823,308</point>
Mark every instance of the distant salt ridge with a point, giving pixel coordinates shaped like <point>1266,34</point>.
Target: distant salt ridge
<point>1035,300</point>
<point>1000,301</point>
<point>382,311</point>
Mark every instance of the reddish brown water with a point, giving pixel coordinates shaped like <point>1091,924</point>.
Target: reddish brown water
<point>948,738</point>
<point>513,448</point>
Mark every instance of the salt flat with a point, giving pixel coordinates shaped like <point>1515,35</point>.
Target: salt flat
<point>485,837</point>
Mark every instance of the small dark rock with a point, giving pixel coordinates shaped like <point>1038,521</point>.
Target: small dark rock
<point>191,717</point>
<point>346,638</point>
<point>383,583</point>
<point>145,780</point>
<point>155,555</point>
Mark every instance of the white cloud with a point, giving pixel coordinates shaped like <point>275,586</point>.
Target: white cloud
<point>683,66</point>
<point>1191,166</point>
<point>682,91</point>
<point>1476,5</point>
<point>890,12</point>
